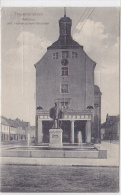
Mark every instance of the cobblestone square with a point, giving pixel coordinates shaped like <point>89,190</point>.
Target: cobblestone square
<point>18,178</point>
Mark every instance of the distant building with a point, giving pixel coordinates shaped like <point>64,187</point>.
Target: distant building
<point>5,130</point>
<point>65,75</point>
<point>110,130</point>
<point>15,129</point>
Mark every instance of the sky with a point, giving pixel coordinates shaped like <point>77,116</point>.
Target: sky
<point>24,44</point>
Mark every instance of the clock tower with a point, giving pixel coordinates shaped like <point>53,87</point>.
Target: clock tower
<point>65,40</point>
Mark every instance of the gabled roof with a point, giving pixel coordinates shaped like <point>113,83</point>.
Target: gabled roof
<point>70,44</point>
<point>14,123</point>
<point>112,118</point>
<point>110,121</point>
<point>4,122</point>
<point>8,122</point>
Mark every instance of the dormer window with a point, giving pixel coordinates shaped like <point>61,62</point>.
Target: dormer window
<point>55,55</point>
<point>65,54</point>
<point>74,55</point>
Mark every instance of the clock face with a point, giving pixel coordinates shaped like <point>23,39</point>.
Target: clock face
<point>64,62</point>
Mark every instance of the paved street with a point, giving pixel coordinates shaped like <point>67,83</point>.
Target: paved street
<point>46,177</point>
<point>17,178</point>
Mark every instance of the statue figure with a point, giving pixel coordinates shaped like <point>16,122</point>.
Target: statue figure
<point>55,114</point>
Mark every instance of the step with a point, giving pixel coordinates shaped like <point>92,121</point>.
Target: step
<point>30,153</point>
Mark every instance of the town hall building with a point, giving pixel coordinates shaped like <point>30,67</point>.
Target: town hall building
<point>65,75</point>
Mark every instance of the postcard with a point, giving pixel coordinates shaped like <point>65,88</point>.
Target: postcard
<point>60,122</point>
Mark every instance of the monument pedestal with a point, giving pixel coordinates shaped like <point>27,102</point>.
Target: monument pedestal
<point>55,138</point>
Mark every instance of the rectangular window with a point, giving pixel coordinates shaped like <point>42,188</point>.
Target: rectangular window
<point>64,88</point>
<point>74,55</point>
<point>64,104</point>
<point>65,54</point>
<point>64,71</point>
<point>55,55</point>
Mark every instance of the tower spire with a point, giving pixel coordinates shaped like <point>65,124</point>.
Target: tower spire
<point>64,11</point>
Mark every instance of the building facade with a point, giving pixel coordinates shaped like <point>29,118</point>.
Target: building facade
<point>9,132</point>
<point>111,128</point>
<point>15,129</point>
<point>5,130</point>
<point>65,75</point>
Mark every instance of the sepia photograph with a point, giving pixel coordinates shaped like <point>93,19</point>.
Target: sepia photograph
<point>60,119</point>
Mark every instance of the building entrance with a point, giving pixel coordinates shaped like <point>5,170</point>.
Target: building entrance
<point>46,126</point>
<point>79,126</point>
<point>66,127</point>
<point>78,131</point>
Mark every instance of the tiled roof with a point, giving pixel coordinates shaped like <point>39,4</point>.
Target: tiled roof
<point>60,44</point>
<point>14,123</point>
<point>110,120</point>
<point>4,122</point>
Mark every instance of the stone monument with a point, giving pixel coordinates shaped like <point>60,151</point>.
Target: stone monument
<point>56,131</point>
